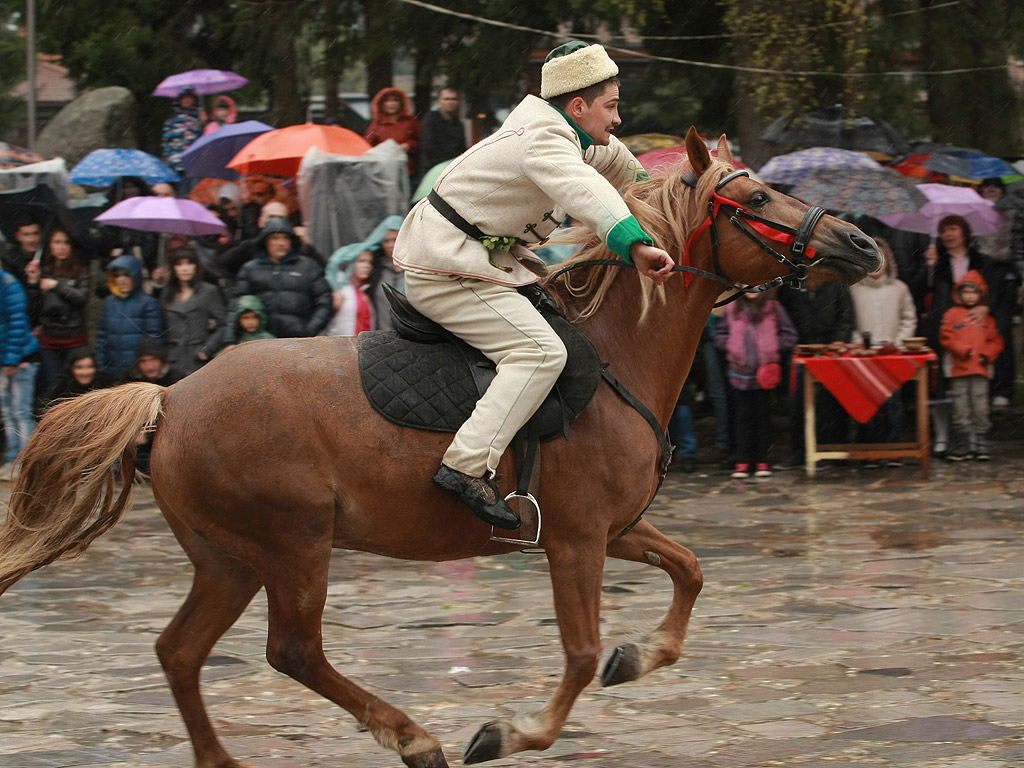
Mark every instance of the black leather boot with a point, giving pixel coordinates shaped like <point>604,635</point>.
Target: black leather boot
<point>481,495</point>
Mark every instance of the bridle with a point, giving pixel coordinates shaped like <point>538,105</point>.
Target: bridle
<point>747,222</point>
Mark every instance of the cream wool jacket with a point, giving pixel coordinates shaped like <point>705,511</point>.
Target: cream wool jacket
<point>521,182</point>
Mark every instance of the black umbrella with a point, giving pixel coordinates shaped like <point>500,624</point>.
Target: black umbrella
<point>43,205</point>
<point>833,127</point>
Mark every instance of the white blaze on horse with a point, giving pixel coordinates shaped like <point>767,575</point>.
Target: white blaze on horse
<point>335,474</point>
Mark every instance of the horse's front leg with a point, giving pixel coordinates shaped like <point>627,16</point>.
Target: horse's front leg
<point>646,544</point>
<point>576,573</point>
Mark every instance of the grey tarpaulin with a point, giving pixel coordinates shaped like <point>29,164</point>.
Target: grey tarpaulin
<point>343,198</point>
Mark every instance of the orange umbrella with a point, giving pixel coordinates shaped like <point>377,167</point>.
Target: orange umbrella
<point>279,152</point>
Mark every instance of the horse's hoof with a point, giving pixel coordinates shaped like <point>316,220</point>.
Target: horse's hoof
<point>485,745</point>
<point>432,759</point>
<point>623,665</point>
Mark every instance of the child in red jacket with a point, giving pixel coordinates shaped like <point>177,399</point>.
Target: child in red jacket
<point>969,333</point>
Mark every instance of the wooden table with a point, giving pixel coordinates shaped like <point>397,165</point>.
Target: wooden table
<point>858,384</point>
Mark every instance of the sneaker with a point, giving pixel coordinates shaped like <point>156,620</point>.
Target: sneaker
<point>982,456</point>
<point>763,470</point>
<point>871,464</point>
<point>741,472</point>
<point>481,495</point>
<point>893,463</point>
<point>1000,402</point>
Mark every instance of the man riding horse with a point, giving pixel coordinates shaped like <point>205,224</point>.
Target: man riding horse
<point>463,249</point>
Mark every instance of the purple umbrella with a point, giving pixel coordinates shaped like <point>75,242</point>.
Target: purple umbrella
<point>208,157</point>
<point>944,200</point>
<point>163,214</point>
<point>202,81</point>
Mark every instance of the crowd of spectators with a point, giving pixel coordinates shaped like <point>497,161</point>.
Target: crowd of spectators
<point>137,306</point>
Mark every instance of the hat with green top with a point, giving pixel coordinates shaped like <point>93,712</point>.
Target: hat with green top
<point>573,66</point>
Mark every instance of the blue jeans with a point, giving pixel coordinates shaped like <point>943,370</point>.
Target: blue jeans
<point>680,430</point>
<point>17,393</point>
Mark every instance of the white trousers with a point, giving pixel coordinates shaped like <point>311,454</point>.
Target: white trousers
<point>503,325</point>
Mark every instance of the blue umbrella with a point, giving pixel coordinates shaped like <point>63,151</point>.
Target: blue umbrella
<point>208,157</point>
<point>102,167</point>
<point>968,164</point>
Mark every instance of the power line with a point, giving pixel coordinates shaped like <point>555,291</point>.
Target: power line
<point>710,64</point>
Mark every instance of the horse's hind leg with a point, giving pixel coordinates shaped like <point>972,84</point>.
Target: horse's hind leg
<point>296,596</point>
<point>576,574</point>
<point>221,589</point>
<point>646,544</point>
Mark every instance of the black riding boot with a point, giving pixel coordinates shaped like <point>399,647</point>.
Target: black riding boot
<point>481,495</point>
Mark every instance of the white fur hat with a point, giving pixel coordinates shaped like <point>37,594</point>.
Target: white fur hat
<point>573,66</point>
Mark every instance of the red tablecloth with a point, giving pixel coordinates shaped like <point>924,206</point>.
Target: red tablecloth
<point>862,384</point>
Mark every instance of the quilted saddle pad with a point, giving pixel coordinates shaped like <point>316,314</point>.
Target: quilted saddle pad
<point>435,386</point>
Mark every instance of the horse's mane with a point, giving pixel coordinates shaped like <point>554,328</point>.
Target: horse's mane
<point>667,209</point>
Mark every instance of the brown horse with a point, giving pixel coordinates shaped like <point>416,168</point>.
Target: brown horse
<point>334,474</point>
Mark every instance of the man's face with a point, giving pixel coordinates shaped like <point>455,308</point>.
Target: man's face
<point>448,102</point>
<point>28,237</point>
<point>600,118</point>
<point>150,366</point>
<point>278,245</point>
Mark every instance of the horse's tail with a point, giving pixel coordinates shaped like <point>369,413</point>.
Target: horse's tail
<point>64,494</point>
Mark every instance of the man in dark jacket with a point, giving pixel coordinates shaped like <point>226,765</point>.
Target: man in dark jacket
<point>822,314</point>
<point>292,287</point>
<point>442,134</point>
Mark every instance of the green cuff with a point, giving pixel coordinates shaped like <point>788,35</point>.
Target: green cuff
<point>624,234</point>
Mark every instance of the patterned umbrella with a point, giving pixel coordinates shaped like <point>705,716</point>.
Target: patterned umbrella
<point>163,214</point>
<point>202,81</point>
<point>943,200</point>
<point>792,168</point>
<point>102,167</point>
<point>860,191</point>
<point>209,156</point>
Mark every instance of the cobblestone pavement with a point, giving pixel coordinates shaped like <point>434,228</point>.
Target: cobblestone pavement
<point>865,618</point>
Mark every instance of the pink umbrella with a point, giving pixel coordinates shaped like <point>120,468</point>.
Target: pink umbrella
<point>657,161</point>
<point>944,200</point>
<point>163,214</point>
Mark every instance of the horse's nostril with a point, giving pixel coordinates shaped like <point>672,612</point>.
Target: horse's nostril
<point>863,242</point>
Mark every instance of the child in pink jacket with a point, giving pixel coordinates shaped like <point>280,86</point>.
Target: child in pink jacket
<point>969,333</point>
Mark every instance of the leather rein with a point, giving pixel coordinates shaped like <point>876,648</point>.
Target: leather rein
<point>739,217</point>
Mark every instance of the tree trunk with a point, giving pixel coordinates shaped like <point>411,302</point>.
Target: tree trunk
<point>286,105</point>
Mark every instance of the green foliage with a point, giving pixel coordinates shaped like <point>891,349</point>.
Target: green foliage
<point>12,66</point>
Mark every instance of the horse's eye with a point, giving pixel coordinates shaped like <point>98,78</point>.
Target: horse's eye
<point>760,198</point>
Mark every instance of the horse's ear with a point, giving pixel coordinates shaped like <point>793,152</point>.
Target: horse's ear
<point>697,152</point>
<point>724,153</point>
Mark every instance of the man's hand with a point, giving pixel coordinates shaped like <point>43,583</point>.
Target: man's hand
<point>652,262</point>
<point>10,370</point>
<point>978,313</point>
<point>32,270</point>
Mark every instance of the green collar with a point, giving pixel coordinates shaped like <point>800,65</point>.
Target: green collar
<point>585,139</point>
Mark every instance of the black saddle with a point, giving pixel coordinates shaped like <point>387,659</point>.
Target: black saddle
<point>422,376</point>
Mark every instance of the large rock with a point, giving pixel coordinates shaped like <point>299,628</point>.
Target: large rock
<point>99,119</point>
